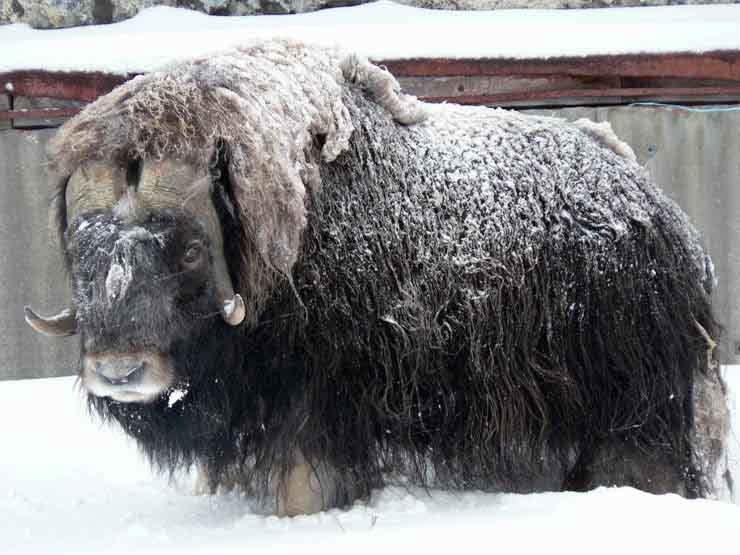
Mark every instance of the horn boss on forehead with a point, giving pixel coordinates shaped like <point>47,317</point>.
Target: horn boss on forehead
<point>95,185</point>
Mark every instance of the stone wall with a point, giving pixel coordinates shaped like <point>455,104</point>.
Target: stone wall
<point>67,13</point>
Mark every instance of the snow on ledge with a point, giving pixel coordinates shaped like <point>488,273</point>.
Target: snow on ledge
<point>381,31</point>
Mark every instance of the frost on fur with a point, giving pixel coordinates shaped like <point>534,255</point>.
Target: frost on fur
<point>460,296</point>
<point>382,87</point>
<point>604,134</point>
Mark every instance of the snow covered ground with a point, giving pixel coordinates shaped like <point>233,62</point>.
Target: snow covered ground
<point>71,486</point>
<point>381,31</point>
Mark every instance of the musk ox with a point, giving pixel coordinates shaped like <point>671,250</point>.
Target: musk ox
<point>308,285</point>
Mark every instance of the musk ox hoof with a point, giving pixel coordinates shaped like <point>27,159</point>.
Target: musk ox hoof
<point>304,488</point>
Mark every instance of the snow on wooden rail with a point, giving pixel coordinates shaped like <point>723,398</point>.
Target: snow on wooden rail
<point>706,77</point>
<point>502,57</point>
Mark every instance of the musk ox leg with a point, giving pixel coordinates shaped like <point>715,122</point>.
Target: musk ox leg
<point>305,488</point>
<point>618,462</point>
<point>202,482</point>
<point>710,435</point>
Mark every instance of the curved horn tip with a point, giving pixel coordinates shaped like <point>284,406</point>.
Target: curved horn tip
<point>234,310</point>
<point>59,325</point>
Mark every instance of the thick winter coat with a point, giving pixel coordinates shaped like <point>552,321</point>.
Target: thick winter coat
<point>460,297</point>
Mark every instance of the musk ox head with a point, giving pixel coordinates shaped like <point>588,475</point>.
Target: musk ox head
<point>145,251</point>
<point>180,202</point>
<point>180,206</point>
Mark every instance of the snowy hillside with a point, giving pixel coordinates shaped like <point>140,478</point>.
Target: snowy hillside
<point>70,486</point>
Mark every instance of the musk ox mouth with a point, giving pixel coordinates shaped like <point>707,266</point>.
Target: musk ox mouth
<point>127,377</point>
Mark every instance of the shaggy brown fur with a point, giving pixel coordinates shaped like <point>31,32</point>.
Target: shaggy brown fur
<point>469,297</point>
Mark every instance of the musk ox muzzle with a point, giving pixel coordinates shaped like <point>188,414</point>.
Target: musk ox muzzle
<point>127,377</point>
<point>137,287</point>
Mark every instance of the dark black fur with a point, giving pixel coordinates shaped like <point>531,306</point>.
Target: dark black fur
<point>511,372</point>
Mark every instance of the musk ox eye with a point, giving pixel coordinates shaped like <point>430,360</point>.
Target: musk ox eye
<point>193,255</point>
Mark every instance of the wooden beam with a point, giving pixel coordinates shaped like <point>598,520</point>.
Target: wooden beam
<point>592,96</point>
<point>43,113</point>
<point>707,77</point>
<point>73,85</point>
<point>719,64</point>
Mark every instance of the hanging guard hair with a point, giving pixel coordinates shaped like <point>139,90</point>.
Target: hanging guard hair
<point>462,296</point>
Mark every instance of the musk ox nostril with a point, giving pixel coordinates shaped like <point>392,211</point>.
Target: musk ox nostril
<point>134,373</point>
<point>115,375</point>
<point>127,377</point>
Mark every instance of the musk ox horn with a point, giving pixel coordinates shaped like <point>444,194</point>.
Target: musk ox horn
<point>234,310</point>
<point>94,186</point>
<point>59,325</point>
<point>160,186</point>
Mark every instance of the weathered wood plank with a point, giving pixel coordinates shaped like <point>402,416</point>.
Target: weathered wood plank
<point>42,111</point>
<point>4,107</point>
<point>73,85</point>
<point>593,80</point>
<point>708,65</point>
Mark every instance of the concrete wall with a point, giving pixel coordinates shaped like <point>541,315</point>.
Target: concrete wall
<point>31,271</point>
<point>693,155</point>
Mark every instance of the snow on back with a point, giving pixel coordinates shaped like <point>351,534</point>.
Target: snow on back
<point>381,31</point>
